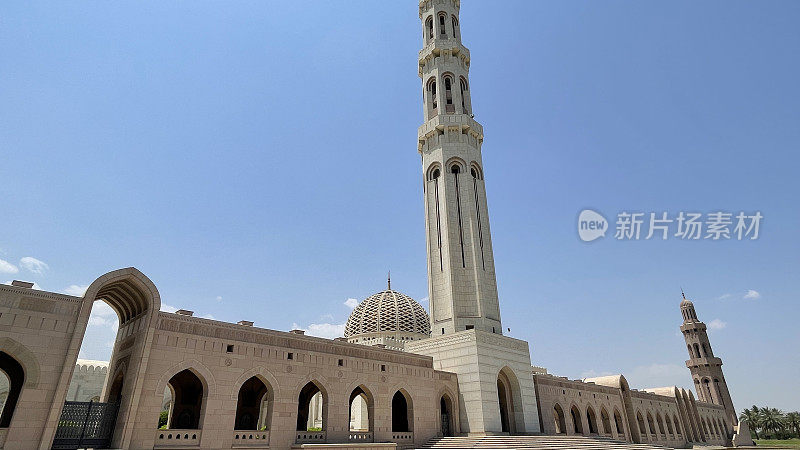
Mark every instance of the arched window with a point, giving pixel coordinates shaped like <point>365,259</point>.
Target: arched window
<point>475,171</point>
<point>442,26</point>
<point>660,421</point>
<point>433,102</point>
<point>606,421</point>
<point>361,409</point>
<point>558,418</point>
<point>429,28</point>
<point>577,425</point>
<point>402,418</point>
<point>456,31</point>
<point>187,401</point>
<point>705,428</point>
<point>705,350</point>
<point>253,406</point>
<point>12,373</point>
<point>677,425</point>
<point>312,408</point>
<point>591,419</point>
<point>696,351</point>
<point>465,101</point>
<point>689,347</point>
<point>669,424</point>
<point>448,94</point>
<point>618,423</point>
<point>651,424</point>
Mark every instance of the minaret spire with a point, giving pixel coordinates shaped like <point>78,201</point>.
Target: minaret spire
<point>462,286</point>
<point>389,281</point>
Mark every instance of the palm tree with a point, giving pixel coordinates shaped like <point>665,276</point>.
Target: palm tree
<point>793,422</point>
<point>772,420</point>
<point>751,417</point>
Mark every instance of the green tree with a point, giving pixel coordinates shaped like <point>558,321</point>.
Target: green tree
<point>772,421</point>
<point>793,422</point>
<point>751,417</point>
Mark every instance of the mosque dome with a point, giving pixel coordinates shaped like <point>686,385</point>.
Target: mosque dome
<point>388,311</point>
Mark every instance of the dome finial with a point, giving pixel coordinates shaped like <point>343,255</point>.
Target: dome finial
<point>682,294</point>
<point>389,281</point>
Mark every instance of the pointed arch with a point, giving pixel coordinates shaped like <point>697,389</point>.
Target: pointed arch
<point>605,420</point>
<point>640,423</point>
<point>577,422</point>
<point>253,404</point>
<point>305,396</point>
<point>365,405</point>
<point>558,418</point>
<point>510,401</point>
<point>402,411</point>
<point>447,413</point>
<point>618,424</point>
<point>651,426</point>
<point>24,357</point>
<point>591,420</point>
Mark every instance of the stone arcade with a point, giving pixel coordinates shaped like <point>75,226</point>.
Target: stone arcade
<point>397,379</point>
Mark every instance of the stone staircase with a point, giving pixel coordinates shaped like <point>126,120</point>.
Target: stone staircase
<point>535,442</point>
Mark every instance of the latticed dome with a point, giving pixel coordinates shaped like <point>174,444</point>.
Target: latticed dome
<point>388,311</point>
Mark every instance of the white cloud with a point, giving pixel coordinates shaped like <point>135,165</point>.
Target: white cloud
<point>351,303</point>
<point>7,267</point>
<point>168,308</point>
<point>716,324</point>
<point>423,300</point>
<point>751,294</point>
<point>103,315</point>
<point>323,330</point>
<point>219,298</point>
<point>34,265</point>
<point>76,290</point>
<point>724,296</point>
<point>208,316</point>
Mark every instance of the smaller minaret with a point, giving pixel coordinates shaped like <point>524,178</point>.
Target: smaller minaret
<point>706,369</point>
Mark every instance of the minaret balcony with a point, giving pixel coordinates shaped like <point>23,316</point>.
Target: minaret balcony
<point>435,47</point>
<point>442,121</point>
<point>704,361</point>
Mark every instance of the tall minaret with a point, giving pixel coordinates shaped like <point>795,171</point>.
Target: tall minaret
<point>709,382</point>
<point>461,280</point>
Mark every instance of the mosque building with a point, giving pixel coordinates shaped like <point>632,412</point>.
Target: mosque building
<point>398,378</point>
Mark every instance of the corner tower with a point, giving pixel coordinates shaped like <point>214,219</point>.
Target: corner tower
<point>462,287</point>
<point>706,369</point>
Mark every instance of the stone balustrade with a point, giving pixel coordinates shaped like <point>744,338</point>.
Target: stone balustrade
<point>177,438</point>
<point>249,438</point>
<point>310,437</point>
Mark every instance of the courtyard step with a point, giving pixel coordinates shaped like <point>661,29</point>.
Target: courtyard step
<point>535,442</point>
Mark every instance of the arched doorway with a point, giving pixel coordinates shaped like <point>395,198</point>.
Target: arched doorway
<point>640,422</point>
<point>402,418</point>
<point>446,415</point>
<point>651,427</point>
<point>591,419</point>
<point>507,393</point>
<point>606,421</point>
<point>361,406</point>
<point>253,405</point>
<point>618,423</point>
<point>312,408</point>
<point>577,424</point>
<point>187,401</point>
<point>134,304</point>
<point>558,418</point>
<point>14,374</point>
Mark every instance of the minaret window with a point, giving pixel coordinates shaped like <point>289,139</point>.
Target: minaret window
<point>434,176</point>
<point>455,27</point>
<point>455,170</point>
<point>448,95</point>
<point>442,28</point>
<point>429,27</point>
<point>476,175</point>
<point>464,93</point>
<point>432,100</point>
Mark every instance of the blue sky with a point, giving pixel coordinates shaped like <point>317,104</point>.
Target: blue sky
<point>257,160</point>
